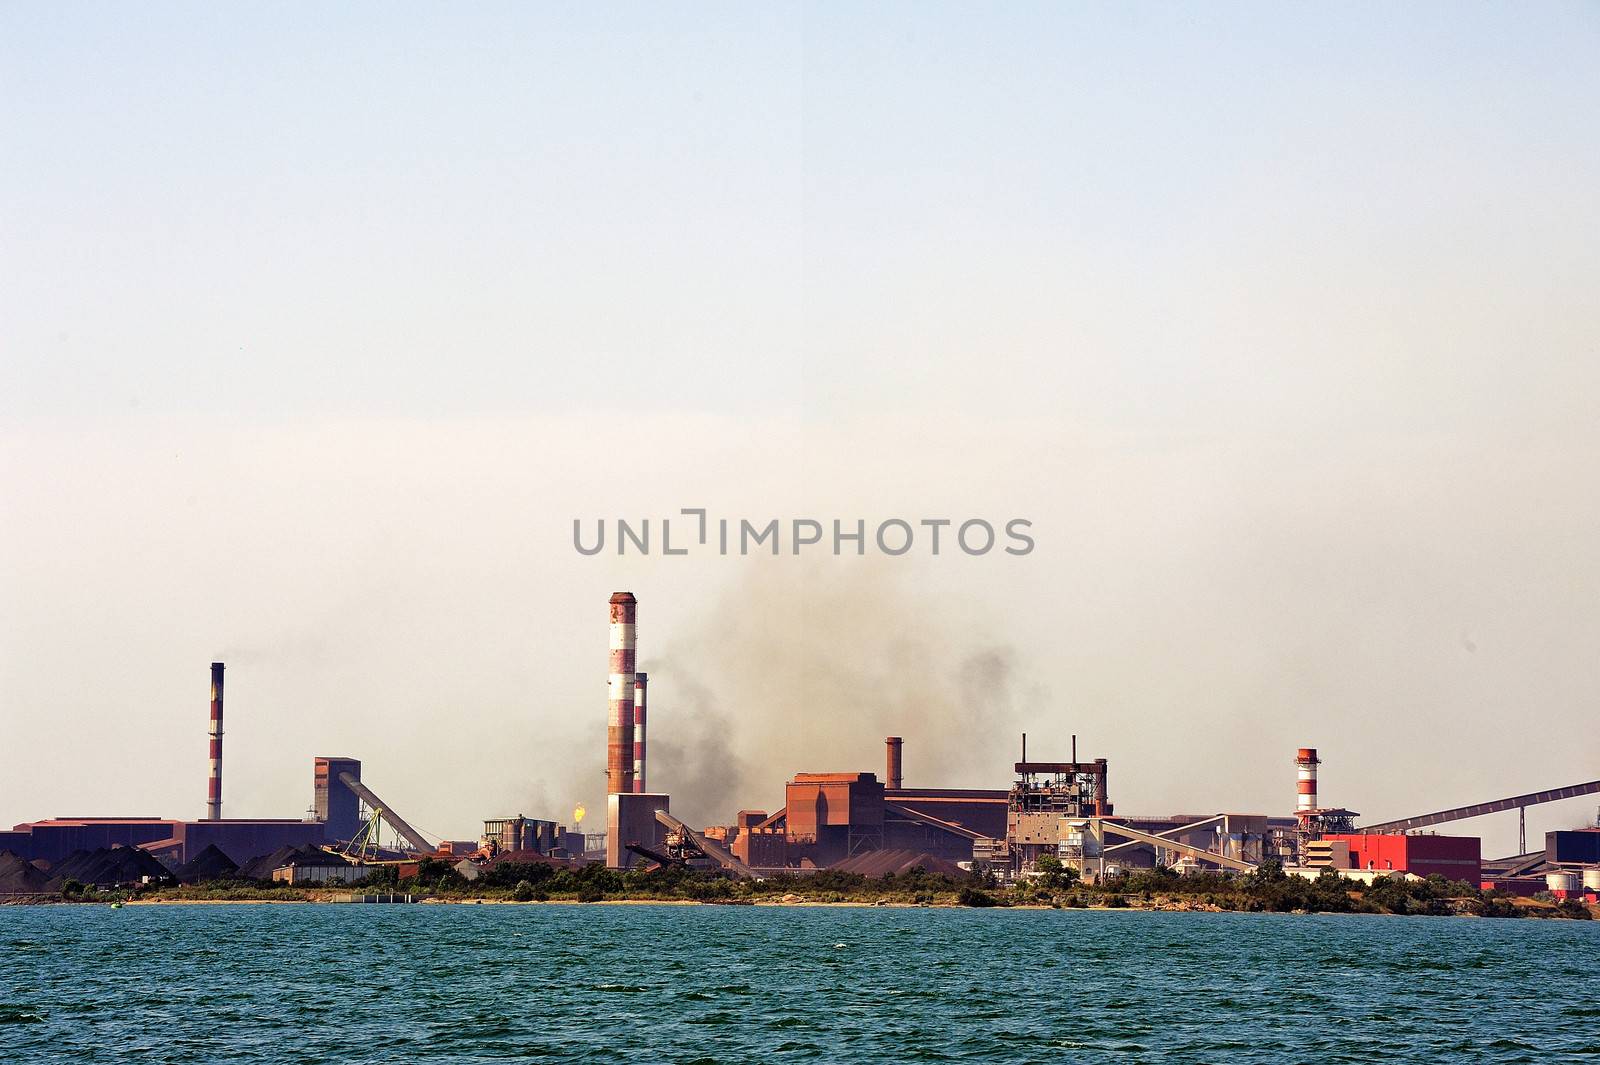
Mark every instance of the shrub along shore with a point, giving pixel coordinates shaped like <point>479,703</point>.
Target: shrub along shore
<point>1267,889</point>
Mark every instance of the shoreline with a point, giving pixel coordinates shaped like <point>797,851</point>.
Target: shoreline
<point>1156,890</point>
<point>1533,910</point>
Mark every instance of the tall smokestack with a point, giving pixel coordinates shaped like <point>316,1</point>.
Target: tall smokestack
<point>893,773</point>
<point>619,725</point>
<point>1306,761</point>
<point>641,683</point>
<point>214,779</point>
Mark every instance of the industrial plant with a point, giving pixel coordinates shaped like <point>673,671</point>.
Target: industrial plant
<point>854,821</point>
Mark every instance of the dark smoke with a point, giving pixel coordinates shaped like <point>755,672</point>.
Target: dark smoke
<point>807,668</point>
<point>693,759</point>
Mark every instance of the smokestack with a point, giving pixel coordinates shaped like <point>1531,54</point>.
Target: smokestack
<point>619,725</point>
<point>1306,761</point>
<point>893,774</point>
<point>214,779</point>
<point>641,682</point>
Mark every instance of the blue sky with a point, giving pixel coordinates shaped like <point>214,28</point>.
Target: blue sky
<point>317,327</point>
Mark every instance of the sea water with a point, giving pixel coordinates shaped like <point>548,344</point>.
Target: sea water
<point>641,983</point>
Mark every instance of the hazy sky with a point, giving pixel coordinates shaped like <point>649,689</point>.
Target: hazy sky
<point>319,327</point>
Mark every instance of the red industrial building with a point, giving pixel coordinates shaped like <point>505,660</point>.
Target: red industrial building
<point>1454,857</point>
<point>979,811</point>
<point>828,818</point>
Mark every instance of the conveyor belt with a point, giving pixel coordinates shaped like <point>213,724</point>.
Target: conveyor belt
<point>712,849</point>
<point>1112,828</point>
<point>407,833</point>
<point>1461,813</point>
<point>1169,833</point>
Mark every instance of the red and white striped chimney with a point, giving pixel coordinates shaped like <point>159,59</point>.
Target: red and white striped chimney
<point>1306,761</point>
<point>619,725</point>
<point>214,779</point>
<point>641,684</point>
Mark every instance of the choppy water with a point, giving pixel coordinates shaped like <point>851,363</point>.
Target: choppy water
<point>735,984</point>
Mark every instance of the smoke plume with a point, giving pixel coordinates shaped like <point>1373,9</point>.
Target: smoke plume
<point>803,668</point>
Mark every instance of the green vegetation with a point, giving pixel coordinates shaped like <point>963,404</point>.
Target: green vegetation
<point>233,891</point>
<point>975,896</point>
<point>1268,889</point>
<point>1053,876</point>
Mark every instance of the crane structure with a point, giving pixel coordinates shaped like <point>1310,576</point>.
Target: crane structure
<point>416,840</point>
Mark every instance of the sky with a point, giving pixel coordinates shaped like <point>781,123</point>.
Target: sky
<point>319,328</point>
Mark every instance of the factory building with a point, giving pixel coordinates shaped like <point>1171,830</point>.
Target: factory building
<point>518,839</point>
<point>1050,805</point>
<point>336,816</point>
<point>851,820</point>
<point>631,819</point>
<point>980,812</point>
<point>513,834</point>
<point>338,795</point>
<point>1063,810</point>
<point>1577,847</point>
<point>333,801</point>
<point>177,841</point>
<point>972,812</point>
<point>1567,867</point>
<point>1453,857</point>
<point>829,818</point>
<point>833,816</point>
<point>318,868</point>
<point>763,844</point>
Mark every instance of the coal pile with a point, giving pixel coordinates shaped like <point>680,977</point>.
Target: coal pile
<point>882,863</point>
<point>108,867</point>
<point>18,877</point>
<point>261,868</point>
<point>62,870</point>
<point>209,864</point>
<point>168,857</point>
